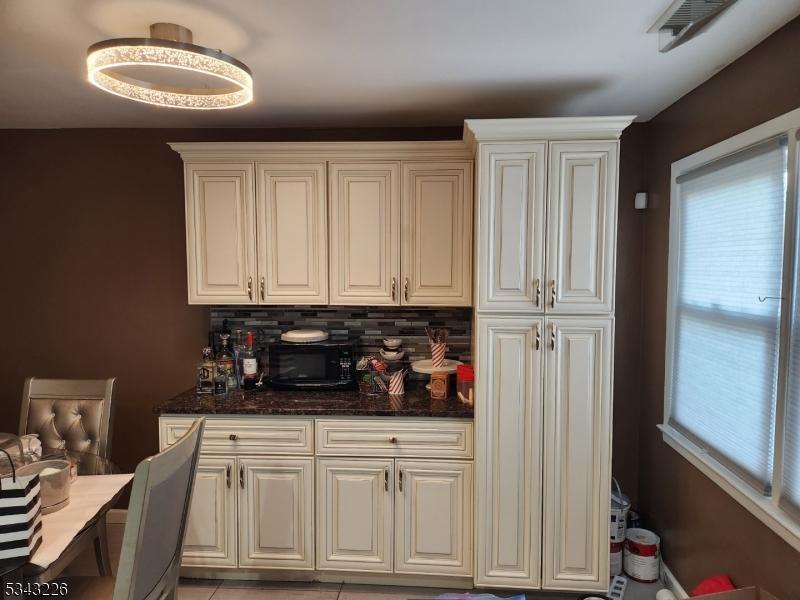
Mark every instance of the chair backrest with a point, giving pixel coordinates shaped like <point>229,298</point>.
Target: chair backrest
<point>74,414</point>
<point>150,560</point>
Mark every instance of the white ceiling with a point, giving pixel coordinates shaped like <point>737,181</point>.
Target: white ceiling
<point>344,63</point>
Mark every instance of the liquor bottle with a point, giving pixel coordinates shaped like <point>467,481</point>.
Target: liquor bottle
<point>249,364</point>
<point>225,363</point>
<point>238,346</point>
<point>205,373</point>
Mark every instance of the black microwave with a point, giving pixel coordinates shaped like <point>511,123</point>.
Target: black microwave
<point>314,365</point>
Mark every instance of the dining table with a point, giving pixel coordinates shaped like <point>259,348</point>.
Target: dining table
<point>97,488</point>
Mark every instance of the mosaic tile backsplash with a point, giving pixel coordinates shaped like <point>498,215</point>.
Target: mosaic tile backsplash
<point>364,327</point>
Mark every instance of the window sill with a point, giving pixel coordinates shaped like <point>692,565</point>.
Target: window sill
<point>764,508</point>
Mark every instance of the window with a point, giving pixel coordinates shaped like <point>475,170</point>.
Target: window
<point>732,402</point>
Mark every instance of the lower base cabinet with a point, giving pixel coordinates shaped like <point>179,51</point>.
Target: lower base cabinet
<point>211,525</point>
<point>395,516</point>
<point>433,518</point>
<point>276,513</point>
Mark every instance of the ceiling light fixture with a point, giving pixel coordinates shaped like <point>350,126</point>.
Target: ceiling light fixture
<point>213,80</point>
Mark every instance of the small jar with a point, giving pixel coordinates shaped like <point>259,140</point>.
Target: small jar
<point>465,382</point>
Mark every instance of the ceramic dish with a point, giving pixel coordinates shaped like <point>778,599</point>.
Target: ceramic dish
<point>392,343</point>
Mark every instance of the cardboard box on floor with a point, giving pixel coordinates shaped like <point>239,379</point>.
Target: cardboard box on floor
<point>748,593</point>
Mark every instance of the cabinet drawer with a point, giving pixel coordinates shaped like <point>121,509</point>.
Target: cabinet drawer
<point>452,439</point>
<point>244,436</point>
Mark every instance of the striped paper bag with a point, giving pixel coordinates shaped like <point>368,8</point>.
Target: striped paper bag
<point>20,516</point>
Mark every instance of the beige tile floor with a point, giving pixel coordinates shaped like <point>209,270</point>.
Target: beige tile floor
<point>95,588</point>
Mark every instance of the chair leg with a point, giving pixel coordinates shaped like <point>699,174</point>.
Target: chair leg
<point>101,549</point>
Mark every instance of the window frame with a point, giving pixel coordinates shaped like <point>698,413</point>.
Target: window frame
<point>766,508</point>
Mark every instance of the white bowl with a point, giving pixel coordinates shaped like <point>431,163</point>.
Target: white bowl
<point>392,354</point>
<point>392,343</point>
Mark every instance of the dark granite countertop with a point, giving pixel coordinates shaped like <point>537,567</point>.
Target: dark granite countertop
<point>414,403</point>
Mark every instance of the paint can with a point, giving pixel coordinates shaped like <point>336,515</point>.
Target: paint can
<point>641,555</point>
<point>620,505</point>
<point>615,561</point>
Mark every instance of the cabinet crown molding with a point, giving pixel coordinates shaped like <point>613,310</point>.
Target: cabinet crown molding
<point>555,128</point>
<point>320,151</point>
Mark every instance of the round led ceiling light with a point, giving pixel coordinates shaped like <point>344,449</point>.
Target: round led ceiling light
<point>167,69</point>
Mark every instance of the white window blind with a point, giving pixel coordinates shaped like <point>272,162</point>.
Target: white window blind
<point>790,495</point>
<point>727,311</point>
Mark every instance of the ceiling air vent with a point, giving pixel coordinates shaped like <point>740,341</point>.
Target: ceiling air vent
<point>685,19</point>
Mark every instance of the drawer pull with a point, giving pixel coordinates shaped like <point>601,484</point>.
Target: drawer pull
<point>392,440</point>
<point>233,437</point>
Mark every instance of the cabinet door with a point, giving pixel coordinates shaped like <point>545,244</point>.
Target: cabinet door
<point>292,213</point>
<point>220,233</point>
<point>433,516</point>
<point>354,514</point>
<point>511,227</point>
<point>508,461</point>
<point>582,227</point>
<point>437,233</point>
<point>365,233</point>
<point>276,513</point>
<point>211,525</point>
<point>577,453</point>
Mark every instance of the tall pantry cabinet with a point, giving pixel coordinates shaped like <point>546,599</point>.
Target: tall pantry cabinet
<point>545,246</point>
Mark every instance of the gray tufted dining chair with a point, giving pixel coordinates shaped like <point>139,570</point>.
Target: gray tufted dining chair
<point>76,415</point>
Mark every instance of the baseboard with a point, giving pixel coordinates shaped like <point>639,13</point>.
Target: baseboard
<point>117,516</point>
<point>672,582</point>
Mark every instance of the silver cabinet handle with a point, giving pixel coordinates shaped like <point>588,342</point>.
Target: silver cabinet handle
<point>386,479</point>
<point>250,288</point>
<point>241,476</point>
<point>552,337</point>
<point>552,293</point>
<point>263,285</point>
<point>537,292</point>
<point>228,475</point>
<point>537,339</point>
<point>405,289</point>
<point>400,480</point>
<point>394,288</point>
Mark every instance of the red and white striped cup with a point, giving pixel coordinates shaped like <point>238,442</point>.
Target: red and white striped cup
<point>437,353</point>
<point>396,385</point>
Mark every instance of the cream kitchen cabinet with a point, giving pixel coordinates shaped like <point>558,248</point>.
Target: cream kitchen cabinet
<point>577,449</point>
<point>211,525</point>
<point>355,514</point>
<point>508,415</point>
<point>365,233</point>
<point>511,238</point>
<point>433,517</point>
<point>256,238</point>
<point>436,235</point>
<point>220,233</point>
<point>292,233</point>
<point>582,227</point>
<point>276,512</point>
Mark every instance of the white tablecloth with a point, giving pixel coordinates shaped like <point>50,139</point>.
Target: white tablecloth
<point>88,495</point>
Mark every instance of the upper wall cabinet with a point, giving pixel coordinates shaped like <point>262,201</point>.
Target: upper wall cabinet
<point>361,223</point>
<point>365,233</point>
<point>511,242</point>
<point>582,226</point>
<point>220,233</point>
<point>292,228</point>
<point>436,233</point>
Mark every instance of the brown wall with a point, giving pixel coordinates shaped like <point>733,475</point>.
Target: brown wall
<point>705,531</point>
<point>94,265</point>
